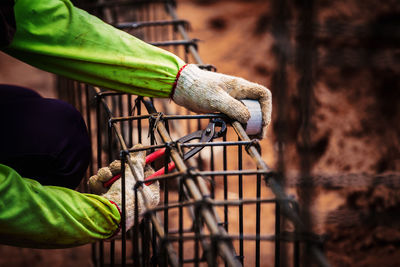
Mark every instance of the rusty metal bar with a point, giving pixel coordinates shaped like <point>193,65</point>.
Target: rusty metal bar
<point>154,218</point>
<point>138,25</point>
<point>278,191</point>
<point>225,249</point>
<point>273,184</point>
<point>208,232</point>
<point>182,31</point>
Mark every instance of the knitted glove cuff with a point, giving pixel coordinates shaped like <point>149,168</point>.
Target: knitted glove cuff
<point>116,233</point>
<point>171,95</point>
<point>185,79</point>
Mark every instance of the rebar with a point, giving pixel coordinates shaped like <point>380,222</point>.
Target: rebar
<point>193,223</point>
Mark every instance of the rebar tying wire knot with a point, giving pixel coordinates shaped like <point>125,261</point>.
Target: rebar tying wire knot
<point>153,121</point>
<point>176,145</point>
<point>137,102</point>
<point>255,143</point>
<point>192,42</point>
<point>192,172</point>
<point>179,148</point>
<point>205,202</point>
<point>123,154</point>
<point>137,185</point>
<point>110,123</point>
<point>272,174</point>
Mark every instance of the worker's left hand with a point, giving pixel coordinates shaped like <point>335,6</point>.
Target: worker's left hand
<point>114,193</point>
<point>205,91</point>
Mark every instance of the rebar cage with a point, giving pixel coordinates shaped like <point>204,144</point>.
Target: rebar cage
<point>224,206</point>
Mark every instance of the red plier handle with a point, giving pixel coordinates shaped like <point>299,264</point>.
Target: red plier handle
<point>152,157</point>
<point>149,159</point>
<point>204,136</point>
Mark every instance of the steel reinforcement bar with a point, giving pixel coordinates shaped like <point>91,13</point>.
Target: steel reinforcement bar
<point>287,209</point>
<point>196,189</point>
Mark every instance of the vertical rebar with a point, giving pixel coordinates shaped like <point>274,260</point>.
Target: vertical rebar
<point>99,162</point>
<point>212,168</point>
<point>258,220</point>
<point>123,156</point>
<point>196,228</point>
<point>180,210</point>
<point>277,235</point>
<point>130,122</point>
<point>89,127</point>
<point>166,194</point>
<point>136,252</point>
<point>282,49</point>
<point>154,259</point>
<point>109,159</point>
<point>139,122</point>
<point>225,167</point>
<point>240,193</point>
<point>146,237</point>
<point>296,246</point>
<point>305,54</point>
<point>121,113</point>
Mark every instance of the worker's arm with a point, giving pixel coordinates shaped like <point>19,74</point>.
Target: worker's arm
<point>39,216</point>
<point>56,36</point>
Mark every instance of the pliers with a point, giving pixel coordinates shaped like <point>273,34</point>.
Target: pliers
<point>216,128</point>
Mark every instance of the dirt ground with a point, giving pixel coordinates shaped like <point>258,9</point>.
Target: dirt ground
<point>355,115</point>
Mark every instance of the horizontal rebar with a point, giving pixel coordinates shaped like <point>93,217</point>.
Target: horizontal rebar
<point>168,117</point>
<point>192,42</point>
<point>284,236</point>
<point>121,3</point>
<point>210,202</point>
<point>347,180</point>
<point>138,25</point>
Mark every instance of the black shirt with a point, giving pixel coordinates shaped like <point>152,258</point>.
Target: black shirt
<point>7,22</point>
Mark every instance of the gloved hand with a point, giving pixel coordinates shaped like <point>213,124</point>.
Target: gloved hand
<point>151,192</point>
<point>204,91</point>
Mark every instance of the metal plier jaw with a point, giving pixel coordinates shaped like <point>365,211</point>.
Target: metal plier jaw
<point>216,128</point>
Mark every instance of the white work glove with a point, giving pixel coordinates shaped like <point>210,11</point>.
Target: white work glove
<point>151,192</point>
<point>205,91</point>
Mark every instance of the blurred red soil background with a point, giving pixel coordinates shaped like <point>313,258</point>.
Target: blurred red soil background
<point>356,97</point>
<point>355,117</point>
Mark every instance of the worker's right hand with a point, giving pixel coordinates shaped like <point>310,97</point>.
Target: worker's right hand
<point>151,192</point>
<point>205,91</point>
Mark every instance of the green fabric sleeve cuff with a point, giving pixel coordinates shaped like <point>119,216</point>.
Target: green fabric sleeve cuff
<point>57,37</point>
<point>32,215</point>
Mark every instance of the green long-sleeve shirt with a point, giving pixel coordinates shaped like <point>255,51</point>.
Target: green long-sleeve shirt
<point>55,36</point>
<point>32,215</point>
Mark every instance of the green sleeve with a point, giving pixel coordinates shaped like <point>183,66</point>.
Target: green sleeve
<point>32,215</point>
<point>55,36</point>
